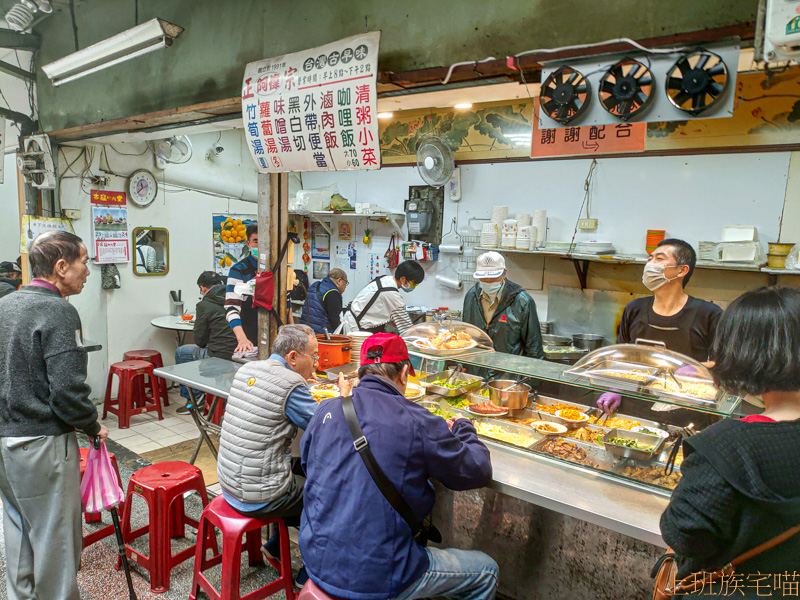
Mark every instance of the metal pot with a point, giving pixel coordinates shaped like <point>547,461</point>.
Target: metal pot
<point>555,340</point>
<point>513,399</point>
<point>589,341</point>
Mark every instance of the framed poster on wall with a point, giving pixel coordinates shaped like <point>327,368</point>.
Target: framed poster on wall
<point>320,241</point>
<point>229,233</point>
<point>321,269</point>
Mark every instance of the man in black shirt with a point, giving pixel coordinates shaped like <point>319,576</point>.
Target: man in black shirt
<point>324,305</point>
<point>685,324</point>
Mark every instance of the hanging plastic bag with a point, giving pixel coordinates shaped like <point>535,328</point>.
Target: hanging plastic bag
<point>100,486</point>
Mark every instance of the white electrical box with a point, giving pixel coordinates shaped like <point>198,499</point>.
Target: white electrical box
<point>782,30</point>
<point>587,224</point>
<point>72,214</point>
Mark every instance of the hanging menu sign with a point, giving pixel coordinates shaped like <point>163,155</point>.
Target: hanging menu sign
<point>314,110</point>
<point>110,226</point>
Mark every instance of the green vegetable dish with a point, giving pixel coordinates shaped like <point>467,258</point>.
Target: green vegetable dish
<point>442,382</point>
<point>459,402</point>
<point>618,441</point>
<point>440,413</point>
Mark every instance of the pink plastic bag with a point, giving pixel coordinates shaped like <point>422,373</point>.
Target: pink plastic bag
<point>100,489</point>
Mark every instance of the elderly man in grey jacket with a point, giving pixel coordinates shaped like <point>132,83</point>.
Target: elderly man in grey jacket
<point>44,399</point>
<point>268,401</point>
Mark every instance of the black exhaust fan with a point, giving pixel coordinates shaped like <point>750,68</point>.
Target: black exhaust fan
<point>697,81</point>
<point>626,89</point>
<point>564,95</point>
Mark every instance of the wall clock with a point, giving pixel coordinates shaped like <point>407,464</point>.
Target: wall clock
<point>142,188</point>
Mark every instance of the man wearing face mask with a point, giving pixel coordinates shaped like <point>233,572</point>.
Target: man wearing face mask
<point>503,309</point>
<point>685,324</point>
<point>380,306</point>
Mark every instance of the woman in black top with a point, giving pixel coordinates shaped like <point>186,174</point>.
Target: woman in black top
<point>741,485</point>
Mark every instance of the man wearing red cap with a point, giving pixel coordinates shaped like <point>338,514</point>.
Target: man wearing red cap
<point>354,543</point>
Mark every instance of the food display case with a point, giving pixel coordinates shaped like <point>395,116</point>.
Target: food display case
<point>613,471</point>
<point>446,339</point>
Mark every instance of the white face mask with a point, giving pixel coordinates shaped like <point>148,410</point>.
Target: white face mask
<point>491,289</point>
<point>653,276</point>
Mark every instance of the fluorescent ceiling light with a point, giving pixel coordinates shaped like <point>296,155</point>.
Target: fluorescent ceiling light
<point>384,115</point>
<point>463,105</point>
<point>139,40</point>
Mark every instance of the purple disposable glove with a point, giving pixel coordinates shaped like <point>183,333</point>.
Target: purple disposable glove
<point>608,402</point>
<point>687,371</point>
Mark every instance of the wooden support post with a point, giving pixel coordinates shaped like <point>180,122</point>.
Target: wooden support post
<point>26,274</point>
<point>273,226</point>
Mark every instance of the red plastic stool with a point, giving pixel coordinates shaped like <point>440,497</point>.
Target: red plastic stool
<point>234,526</point>
<point>311,591</point>
<point>162,486</point>
<point>130,399</point>
<point>108,530</point>
<point>219,408</point>
<point>154,358</point>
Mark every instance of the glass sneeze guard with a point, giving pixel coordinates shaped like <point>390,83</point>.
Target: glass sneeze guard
<point>560,373</point>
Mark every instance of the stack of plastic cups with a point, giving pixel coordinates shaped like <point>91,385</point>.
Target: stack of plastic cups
<point>509,239</point>
<point>489,235</point>
<point>654,237</point>
<point>499,214</point>
<point>524,237</point>
<point>523,220</point>
<point>540,222</point>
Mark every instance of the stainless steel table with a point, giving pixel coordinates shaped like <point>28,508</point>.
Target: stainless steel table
<point>210,375</point>
<point>91,346</point>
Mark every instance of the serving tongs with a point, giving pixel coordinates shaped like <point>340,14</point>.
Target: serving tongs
<point>453,372</point>
<point>684,433</point>
<point>602,416</point>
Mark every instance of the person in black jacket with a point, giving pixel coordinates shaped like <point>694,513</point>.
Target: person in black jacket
<point>212,335</point>
<point>10,277</point>
<point>740,486</point>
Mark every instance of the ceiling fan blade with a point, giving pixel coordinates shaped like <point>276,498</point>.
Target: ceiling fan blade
<point>625,107</point>
<point>616,71</point>
<point>642,98</point>
<point>547,92</point>
<point>702,62</point>
<point>645,79</point>
<point>634,69</point>
<point>562,113</point>
<point>573,76</point>
<point>559,76</point>
<point>581,88</point>
<point>607,87</point>
<point>683,66</point>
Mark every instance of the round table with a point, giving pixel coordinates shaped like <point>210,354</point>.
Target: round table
<point>176,324</point>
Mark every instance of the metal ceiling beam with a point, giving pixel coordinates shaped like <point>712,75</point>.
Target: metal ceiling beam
<point>18,41</point>
<point>15,71</point>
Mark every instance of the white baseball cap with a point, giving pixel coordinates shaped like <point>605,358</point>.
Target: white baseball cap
<point>490,265</point>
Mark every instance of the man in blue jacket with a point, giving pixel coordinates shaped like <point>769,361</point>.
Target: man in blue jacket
<point>323,308</point>
<point>354,544</point>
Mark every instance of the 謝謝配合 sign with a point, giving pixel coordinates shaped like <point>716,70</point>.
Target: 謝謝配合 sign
<point>314,110</point>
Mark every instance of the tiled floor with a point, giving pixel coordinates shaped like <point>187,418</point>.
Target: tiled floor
<point>147,433</point>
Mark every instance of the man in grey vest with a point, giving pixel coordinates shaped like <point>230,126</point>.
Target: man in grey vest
<point>269,400</point>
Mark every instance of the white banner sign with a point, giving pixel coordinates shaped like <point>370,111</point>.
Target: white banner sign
<point>314,110</point>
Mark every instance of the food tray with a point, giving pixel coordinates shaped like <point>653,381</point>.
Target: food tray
<point>681,397</point>
<point>432,405</point>
<point>470,383</point>
<point>623,452</point>
<point>426,348</point>
<point>573,354</point>
<point>601,459</point>
<point>603,375</point>
<point>627,462</point>
<point>547,401</point>
<point>333,373</point>
<point>531,437</point>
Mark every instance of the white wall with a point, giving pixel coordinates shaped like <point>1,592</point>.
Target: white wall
<point>9,211</point>
<point>120,319</point>
<point>692,197</point>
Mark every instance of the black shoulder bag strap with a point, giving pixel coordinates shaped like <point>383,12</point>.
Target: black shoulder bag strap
<point>422,532</point>
<point>372,300</point>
